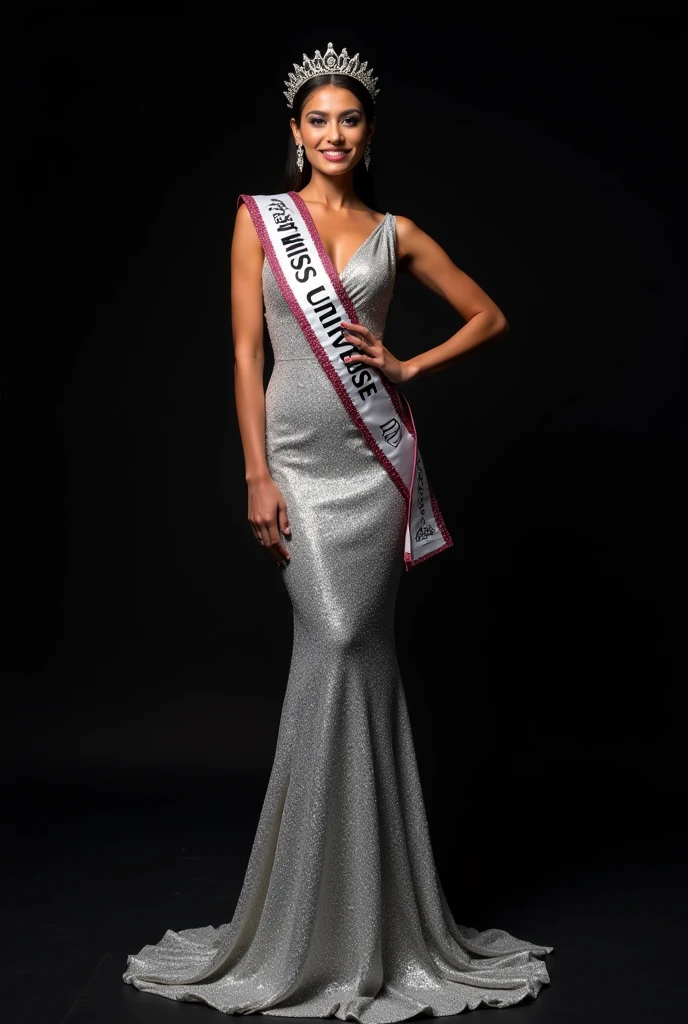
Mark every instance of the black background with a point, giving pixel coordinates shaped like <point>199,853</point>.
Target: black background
<point>147,638</point>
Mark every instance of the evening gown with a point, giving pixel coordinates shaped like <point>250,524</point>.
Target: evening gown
<point>341,912</point>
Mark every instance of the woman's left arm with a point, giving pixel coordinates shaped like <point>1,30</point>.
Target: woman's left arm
<point>431,265</point>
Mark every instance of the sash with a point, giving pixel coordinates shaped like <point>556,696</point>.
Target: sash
<point>311,286</point>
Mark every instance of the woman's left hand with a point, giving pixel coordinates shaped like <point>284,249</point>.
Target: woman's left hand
<point>374,353</point>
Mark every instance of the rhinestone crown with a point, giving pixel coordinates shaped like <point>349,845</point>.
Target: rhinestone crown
<point>331,64</point>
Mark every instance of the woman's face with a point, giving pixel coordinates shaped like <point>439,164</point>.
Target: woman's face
<point>333,130</point>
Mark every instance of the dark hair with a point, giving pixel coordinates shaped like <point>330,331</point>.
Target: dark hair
<point>294,179</point>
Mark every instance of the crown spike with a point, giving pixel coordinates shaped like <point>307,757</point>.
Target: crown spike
<point>330,63</point>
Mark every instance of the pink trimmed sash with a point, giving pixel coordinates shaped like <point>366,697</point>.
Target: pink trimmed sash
<point>319,302</point>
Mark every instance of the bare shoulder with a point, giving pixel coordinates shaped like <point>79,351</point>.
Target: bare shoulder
<point>243,221</point>
<point>404,225</point>
<point>245,234</point>
<point>409,236</point>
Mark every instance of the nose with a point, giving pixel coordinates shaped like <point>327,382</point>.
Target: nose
<point>336,134</point>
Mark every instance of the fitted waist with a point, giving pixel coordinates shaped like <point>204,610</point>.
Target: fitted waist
<point>297,359</point>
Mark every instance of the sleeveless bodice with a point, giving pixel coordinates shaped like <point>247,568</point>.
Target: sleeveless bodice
<point>308,430</point>
<point>368,278</point>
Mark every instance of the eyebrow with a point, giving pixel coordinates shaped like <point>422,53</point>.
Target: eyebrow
<point>323,113</point>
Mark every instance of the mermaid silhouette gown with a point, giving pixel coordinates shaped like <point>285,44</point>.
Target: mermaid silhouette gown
<point>341,913</point>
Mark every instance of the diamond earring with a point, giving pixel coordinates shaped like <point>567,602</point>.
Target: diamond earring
<point>299,157</point>
<point>366,156</point>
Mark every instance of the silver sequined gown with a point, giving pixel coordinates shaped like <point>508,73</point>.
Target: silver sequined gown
<point>341,911</point>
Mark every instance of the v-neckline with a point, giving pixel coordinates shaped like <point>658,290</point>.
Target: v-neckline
<point>324,255</point>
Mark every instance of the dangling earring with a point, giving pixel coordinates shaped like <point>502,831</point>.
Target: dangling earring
<point>299,157</point>
<point>366,156</point>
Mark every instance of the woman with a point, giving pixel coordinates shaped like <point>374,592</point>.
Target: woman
<point>341,912</point>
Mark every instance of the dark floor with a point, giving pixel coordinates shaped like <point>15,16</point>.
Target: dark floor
<point>95,872</point>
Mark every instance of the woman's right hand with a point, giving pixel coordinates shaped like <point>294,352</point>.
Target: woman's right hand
<point>267,514</point>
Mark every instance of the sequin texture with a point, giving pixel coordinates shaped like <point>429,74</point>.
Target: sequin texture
<point>341,912</point>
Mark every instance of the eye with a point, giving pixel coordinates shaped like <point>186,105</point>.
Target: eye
<point>316,121</point>
<point>352,120</point>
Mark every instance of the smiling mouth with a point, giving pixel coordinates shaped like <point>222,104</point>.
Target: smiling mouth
<point>334,154</point>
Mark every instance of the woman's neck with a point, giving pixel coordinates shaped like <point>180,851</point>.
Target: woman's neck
<point>334,193</point>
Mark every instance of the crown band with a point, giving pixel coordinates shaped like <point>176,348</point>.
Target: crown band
<point>331,64</point>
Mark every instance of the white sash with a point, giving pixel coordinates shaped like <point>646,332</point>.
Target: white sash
<point>311,286</point>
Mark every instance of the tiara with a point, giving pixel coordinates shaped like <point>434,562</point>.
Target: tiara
<point>331,64</point>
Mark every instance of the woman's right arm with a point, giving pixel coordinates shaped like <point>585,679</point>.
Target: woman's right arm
<point>267,511</point>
